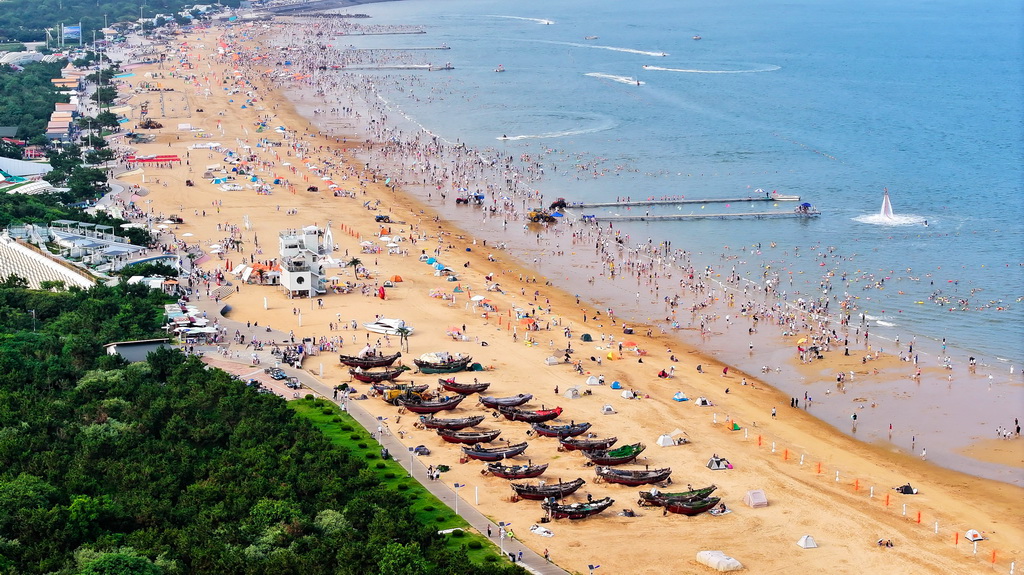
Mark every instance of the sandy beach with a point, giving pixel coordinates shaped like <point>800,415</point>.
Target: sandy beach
<point>817,480</point>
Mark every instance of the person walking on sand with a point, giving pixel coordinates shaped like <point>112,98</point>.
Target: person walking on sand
<point>773,413</point>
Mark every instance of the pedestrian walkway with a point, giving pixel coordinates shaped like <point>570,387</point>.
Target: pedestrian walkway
<point>531,561</point>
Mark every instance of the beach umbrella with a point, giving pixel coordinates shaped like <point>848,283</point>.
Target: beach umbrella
<point>366,244</point>
<point>187,235</point>
<point>629,343</point>
<point>477,298</point>
<point>214,246</point>
<point>385,239</point>
<point>162,226</point>
<point>801,340</point>
<point>215,251</point>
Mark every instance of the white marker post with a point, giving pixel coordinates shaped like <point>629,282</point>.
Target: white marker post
<point>457,486</point>
<point>412,452</point>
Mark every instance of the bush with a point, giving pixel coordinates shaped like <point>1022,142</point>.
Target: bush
<point>403,486</point>
<point>475,545</point>
<point>362,446</point>
<point>491,558</point>
<point>327,411</point>
<point>428,508</point>
<point>381,465</point>
<point>389,475</point>
<point>355,436</point>
<point>337,419</point>
<point>345,427</point>
<point>309,397</point>
<point>371,455</point>
<point>440,519</point>
<point>458,533</point>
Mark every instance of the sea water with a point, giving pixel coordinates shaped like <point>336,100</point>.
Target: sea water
<point>831,102</point>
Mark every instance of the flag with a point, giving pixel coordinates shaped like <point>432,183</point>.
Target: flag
<point>592,567</point>
<point>73,32</point>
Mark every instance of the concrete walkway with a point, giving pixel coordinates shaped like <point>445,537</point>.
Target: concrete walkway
<point>531,561</point>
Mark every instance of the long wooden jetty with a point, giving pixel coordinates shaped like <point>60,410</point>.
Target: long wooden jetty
<point>411,48</point>
<point>683,217</point>
<point>682,201</point>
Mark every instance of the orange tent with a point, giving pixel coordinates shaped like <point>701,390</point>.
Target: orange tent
<point>396,279</point>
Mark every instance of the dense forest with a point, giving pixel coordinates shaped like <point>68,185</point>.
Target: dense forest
<point>27,96</point>
<point>167,467</point>
<point>27,20</point>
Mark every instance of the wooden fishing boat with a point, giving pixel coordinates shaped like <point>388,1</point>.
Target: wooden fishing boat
<point>369,361</point>
<point>420,406</point>
<point>468,437</point>
<point>453,366</point>
<point>541,491</point>
<point>431,422</point>
<point>570,430</point>
<point>463,388</point>
<point>658,499</point>
<point>381,387</point>
<point>616,456</point>
<point>482,453</point>
<point>516,471</point>
<point>692,507</point>
<point>577,444</point>
<point>633,477</point>
<point>513,401</point>
<point>577,510</point>
<point>516,414</point>
<point>375,376</point>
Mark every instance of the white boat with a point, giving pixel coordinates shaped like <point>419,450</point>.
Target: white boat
<point>590,37</point>
<point>500,68</point>
<point>387,326</point>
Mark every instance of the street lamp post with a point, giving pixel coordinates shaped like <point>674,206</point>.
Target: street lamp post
<point>457,486</point>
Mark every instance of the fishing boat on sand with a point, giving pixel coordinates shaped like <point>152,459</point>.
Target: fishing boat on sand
<point>463,388</point>
<point>654,498</point>
<point>481,453</point>
<point>577,444</point>
<point>469,437</point>
<point>577,510</point>
<point>543,491</point>
<point>539,416</point>
<point>692,507</point>
<point>382,387</point>
<point>633,477</point>
<point>570,430</point>
<point>513,401</point>
<point>364,376</point>
<point>416,405</point>
<point>516,471</point>
<point>366,362</point>
<point>616,456</point>
<point>456,424</point>
<point>442,362</point>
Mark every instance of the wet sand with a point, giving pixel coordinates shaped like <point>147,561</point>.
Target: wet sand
<point>841,516</point>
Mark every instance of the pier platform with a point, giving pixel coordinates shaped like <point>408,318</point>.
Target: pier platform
<point>682,202</point>
<point>683,217</point>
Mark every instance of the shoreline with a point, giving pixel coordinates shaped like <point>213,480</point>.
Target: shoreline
<point>516,361</point>
<point>550,252</point>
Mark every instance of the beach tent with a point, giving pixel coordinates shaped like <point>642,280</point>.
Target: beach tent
<point>974,535</point>
<point>807,542</point>
<point>593,381</point>
<point>551,360</point>
<point>703,402</point>
<point>627,394</point>
<point>666,440</point>
<point>397,279</point>
<point>718,561</point>
<point>756,498</point>
<point>719,463</point>
<point>614,355</point>
<point>607,410</point>
<point>572,393</point>
<point>680,396</point>
<point>616,385</point>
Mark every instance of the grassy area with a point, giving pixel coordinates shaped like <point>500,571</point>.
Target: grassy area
<point>345,432</point>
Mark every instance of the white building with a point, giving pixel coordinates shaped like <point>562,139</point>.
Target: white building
<point>302,252</point>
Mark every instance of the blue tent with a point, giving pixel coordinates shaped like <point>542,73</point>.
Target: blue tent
<point>431,261</point>
<point>439,266</point>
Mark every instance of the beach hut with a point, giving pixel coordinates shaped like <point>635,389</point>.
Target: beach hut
<point>703,402</point>
<point>807,542</point>
<point>607,410</point>
<point>718,561</point>
<point>719,463</point>
<point>756,498</point>
<point>572,393</point>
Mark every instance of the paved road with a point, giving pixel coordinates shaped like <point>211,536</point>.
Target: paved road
<point>531,561</point>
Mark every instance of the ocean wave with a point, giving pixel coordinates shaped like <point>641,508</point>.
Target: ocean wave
<point>770,68</point>
<point>894,220</point>
<point>537,20</point>
<point>614,78</point>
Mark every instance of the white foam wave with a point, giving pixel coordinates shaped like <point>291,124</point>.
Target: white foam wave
<point>537,20</point>
<point>553,134</point>
<point>600,47</point>
<point>770,68</point>
<point>894,221</point>
<point>614,78</point>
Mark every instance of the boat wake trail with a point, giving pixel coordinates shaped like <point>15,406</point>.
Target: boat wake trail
<point>602,123</point>
<point>894,220</point>
<point>699,71</point>
<point>537,20</point>
<point>600,47</point>
<point>614,78</point>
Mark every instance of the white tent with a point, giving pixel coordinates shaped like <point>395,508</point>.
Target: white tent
<point>666,440</point>
<point>703,402</point>
<point>807,542</point>
<point>973,535</point>
<point>572,393</point>
<point>551,360</point>
<point>756,498</point>
<point>717,463</point>
<point>718,561</point>
<point>607,410</point>
<point>627,394</point>
<point>593,381</point>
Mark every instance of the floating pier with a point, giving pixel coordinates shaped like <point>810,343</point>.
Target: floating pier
<point>402,49</point>
<point>679,217</point>
<point>682,201</point>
